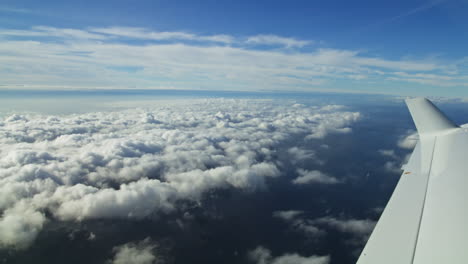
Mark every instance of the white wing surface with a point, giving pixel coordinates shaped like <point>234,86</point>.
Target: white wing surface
<point>426,219</point>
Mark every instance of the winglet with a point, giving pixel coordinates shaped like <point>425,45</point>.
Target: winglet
<point>427,117</point>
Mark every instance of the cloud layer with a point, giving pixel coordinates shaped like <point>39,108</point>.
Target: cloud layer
<point>128,57</point>
<point>137,163</point>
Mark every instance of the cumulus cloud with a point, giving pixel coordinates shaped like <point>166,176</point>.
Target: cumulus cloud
<point>262,255</point>
<point>388,153</point>
<point>326,127</point>
<point>314,176</point>
<point>409,140</point>
<point>137,163</point>
<point>396,161</point>
<point>287,215</point>
<point>357,230</point>
<point>142,252</point>
<point>298,223</point>
<point>300,154</point>
<point>393,165</point>
<point>359,227</point>
<point>20,225</point>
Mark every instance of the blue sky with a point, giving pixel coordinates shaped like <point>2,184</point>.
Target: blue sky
<point>397,47</point>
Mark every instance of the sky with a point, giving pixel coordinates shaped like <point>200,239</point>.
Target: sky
<point>399,47</point>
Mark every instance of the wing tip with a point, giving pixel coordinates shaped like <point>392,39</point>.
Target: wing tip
<point>427,117</point>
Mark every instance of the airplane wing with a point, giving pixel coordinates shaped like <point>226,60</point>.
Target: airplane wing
<point>426,219</point>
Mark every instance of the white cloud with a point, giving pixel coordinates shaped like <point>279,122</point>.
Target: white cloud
<point>409,140</point>
<point>388,153</point>
<point>134,200</point>
<point>406,141</point>
<point>125,57</point>
<point>300,154</point>
<point>262,255</point>
<point>298,223</point>
<point>142,33</point>
<point>314,176</point>
<point>277,40</point>
<point>287,215</point>
<point>329,127</point>
<point>359,227</point>
<point>396,161</point>
<point>392,166</point>
<point>358,230</point>
<point>20,225</point>
<point>139,162</point>
<point>43,31</point>
<point>141,252</point>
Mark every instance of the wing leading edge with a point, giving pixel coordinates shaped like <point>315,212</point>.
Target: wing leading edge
<point>425,221</point>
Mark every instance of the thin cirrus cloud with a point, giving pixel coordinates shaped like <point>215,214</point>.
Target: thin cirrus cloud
<point>142,33</point>
<point>44,31</point>
<point>126,57</point>
<point>154,157</point>
<point>277,40</point>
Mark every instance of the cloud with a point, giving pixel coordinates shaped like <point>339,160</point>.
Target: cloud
<point>331,127</point>
<point>20,225</point>
<point>298,223</point>
<point>358,230</point>
<point>392,166</point>
<point>396,163</point>
<point>314,176</point>
<point>300,154</point>
<point>287,215</point>
<point>262,255</point>
<point>277,40</point>
<point>142,33</point>
<point>359,227</point>
<point>388,153</point>
<point>141,252</point>
<point>44,31</point>
<point>409,140</point>
<point>138,163</point>
<point>134,200</point>
<point>50,57</point>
